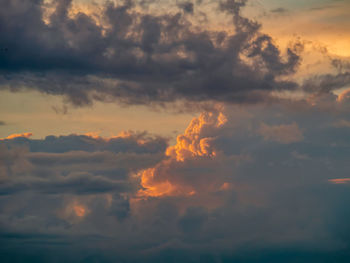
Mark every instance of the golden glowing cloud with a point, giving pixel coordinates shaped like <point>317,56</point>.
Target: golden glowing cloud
<point>193,144</point>
<point>94,135</point>
<point>153,188</point>
<point>79,210</point>
<point>18,135</point>
<point>340,181</point>
<point>123,135</point>
<point>344,95</point>
<point>74,211</point>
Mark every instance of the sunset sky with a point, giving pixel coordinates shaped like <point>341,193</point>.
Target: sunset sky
<point>174,131</point>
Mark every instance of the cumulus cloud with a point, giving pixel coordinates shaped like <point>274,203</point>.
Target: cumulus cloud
<point>75,164</point>
<point>191,163</point>
<point>221,192</point>
<point>241,184</point>
<point>126,53</point>
<point>136,57</point>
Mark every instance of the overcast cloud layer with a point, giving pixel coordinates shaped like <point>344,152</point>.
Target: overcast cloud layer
<point>242,184</point>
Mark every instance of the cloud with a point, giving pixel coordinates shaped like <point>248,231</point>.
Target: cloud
<point>340,181</point>
<point>191,162</point>
<point>187,7</point>
<point>128,54</point>
<point>12,161</point>
<point>135,57</point>
<point>344,96</point>
<point>127,142</point>
<point>222,192</point>
<point>74,183</point>
<point>246,181</point>
<point>18,135</point>
<point>342,123</point>
<point>75,164</point>
<point>279,10</point>
<point>321,8</point>
<point>327,83</point>
<point>288,133</point>
<point>251,182</point>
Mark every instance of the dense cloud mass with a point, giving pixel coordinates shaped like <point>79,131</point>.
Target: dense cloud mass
<point>241,184</point>
<point>245,182</point>
<point>130,55</point>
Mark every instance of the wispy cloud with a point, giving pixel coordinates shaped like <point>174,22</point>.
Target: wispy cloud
<point>279,10</point>
<point>340,181</point>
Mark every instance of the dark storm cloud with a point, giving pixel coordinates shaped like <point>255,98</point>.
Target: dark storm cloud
<point>187,7</point>
<point>46,181</point>
<point>139,58</point>
<point>340,64</point>
<point>75,164</point>
<point>277,204</point>
<point>76,184</point>
<point>193,219</point>
<point>327,83</point>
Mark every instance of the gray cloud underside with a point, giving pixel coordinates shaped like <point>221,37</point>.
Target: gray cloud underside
<point>140,58</point>
<point>61,144</point>
<point>281,207</point>
<point>75,164</point>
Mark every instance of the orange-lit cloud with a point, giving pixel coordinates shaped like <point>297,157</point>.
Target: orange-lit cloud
<point>18,135</point>
<point>191,143</point>
<point>74,211</point>
<point>94,135</point>
<point>139,138</point>
<point>194,144</point>
<point>340,181</point>
<point>226,186</point>
<point>153,188</point>
<point>344,96</point>
<point>79,210</point>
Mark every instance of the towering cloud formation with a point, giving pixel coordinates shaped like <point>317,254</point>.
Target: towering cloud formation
<point>195,145</point>
<point>247,182</point>
<point>238,181</point>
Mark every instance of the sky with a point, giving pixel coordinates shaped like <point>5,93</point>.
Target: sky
<point>174,131</point>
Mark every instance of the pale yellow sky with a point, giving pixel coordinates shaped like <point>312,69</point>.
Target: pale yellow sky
<point>33,112</point>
